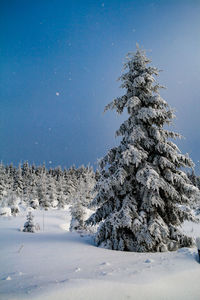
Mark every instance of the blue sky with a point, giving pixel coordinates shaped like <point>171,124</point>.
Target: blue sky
<point>59,65</point>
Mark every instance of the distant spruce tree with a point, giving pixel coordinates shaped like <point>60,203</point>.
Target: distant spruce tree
<point>196,182</point>
<point>142,194</point>
<point>82,199</point>
<point>18,182</point>
<point>42,194</point>
<point>78,212</point>
<point>3,186</point>
<point>13,202</point>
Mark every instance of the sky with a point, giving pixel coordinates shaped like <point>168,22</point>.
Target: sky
<point>59,65</point>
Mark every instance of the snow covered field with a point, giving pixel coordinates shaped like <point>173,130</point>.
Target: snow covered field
<point>57,264</point>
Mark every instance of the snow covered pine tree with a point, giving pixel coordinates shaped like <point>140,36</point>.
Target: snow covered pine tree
<point>141,193</point>
<point>30,226</point>
<point>82,199</point>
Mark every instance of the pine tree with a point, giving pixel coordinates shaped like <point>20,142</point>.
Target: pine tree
<point>18,182</point>
<point>13,202</point>
<point>42,195</point>
<point>78,214</point>
<point>34,203</point>
<point>61,200</point>
<point>9,179</point>
<point>3,187</point>
<point>70,185</point>
<point>30,226</point>
<point>142,190</point>
<point>196,182</point>
<point>51,191</point>
<point>82,199</point>
<point>59,188</point>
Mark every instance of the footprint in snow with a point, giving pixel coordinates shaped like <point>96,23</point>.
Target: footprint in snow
<point>77,269</point>
<point>148,261</point>
<point>105,264</point>
<point>103,273</point>
<point>62,281</point>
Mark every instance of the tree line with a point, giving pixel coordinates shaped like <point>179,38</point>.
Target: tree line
<point>37,186</point>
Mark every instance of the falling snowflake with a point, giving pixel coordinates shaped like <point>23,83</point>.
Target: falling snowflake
<point>57,94</point>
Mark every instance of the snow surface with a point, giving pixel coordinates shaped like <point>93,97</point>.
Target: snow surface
<point>58,264</point>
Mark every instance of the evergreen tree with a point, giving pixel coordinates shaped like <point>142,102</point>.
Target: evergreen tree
<point>30,226</point>
<point>142,189</point>
<point>194,179</point>
<point>42,194</point>
<point>78,213</point>
<point>3,187</point>
<point>34,203</point>
<point>18,182</point>
<point>69,186</point>
<point>10,172</point>
<point>60,184</point>
<point>61,200</point>
<point>82,199</point>
<point>13,202</point>
<point>51,191</point>
<point>196,182</point>
<point>27,178</point>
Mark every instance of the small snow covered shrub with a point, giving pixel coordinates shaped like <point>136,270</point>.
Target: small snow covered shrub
<point>141,188</point>
<point>29,226</point>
